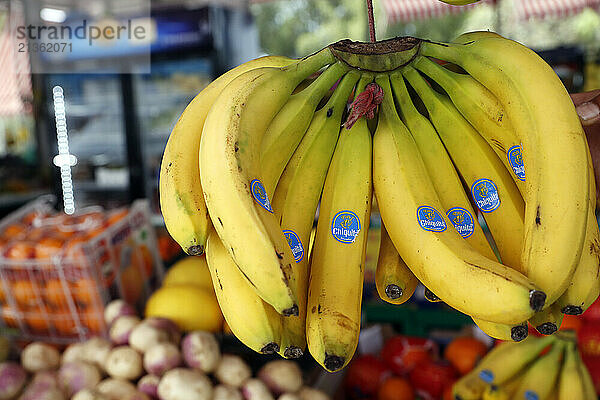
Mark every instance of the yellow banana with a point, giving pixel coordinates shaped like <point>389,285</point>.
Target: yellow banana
<point>439,166</point>
<point>548,320</point>
<point>539,380</point>
<point>181,199</point>
<point>570,381</point>
<point>252,321</point>
<point>586,379</point>
<point>506,332</point>
<point>492,188</point>
<point>554,152</point>
<point>337,262</point>
<point>468,281</point>
<point>230,173</point>
<point>394,280</point>
<point>297,196</point>
<point>475,35</point>
<point>493,392</point>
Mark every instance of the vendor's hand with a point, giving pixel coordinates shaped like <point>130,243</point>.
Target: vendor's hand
<point>588,108</point>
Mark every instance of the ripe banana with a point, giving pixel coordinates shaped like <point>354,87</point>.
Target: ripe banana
<point>539,379</point>
<point>548,320</point>
<point>554,152</point>
<point>483,111</point>
<point>439,166</point>
<point>181,199</point>
<point>394,280</point>
<point>338,259</point>
<point>297,196</point>
<point>492,188</point>
<point>251,320</point>
<point>475,35</point>
<point>570,381</point>
<point>231,177</point>
<point>586,379</point>
<point>289,125</point>
<point>404,190</point>
<point>506,332</point>
<point>493,392</point>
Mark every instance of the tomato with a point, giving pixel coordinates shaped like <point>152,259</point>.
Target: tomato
<point>365,374</point>
<point>402,353</point>
<point>593,312</point>
<point>589,338</point>
<point>430,379</point>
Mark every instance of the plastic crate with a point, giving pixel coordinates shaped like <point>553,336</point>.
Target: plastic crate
<point>58,272</point>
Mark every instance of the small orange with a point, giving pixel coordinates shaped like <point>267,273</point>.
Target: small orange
<point>93,320</point>
<point>38,319</point>
<point>10,317</point>
<point>20,251</point>
<point>64,323</point>
<point>85,292</point>
<point>14,231</point>
<point>464,352</point>
<point>32,216</point>
<point>24,292</point>
<point>54,293</point>
<point>48,247</point>
<point>395,388</point>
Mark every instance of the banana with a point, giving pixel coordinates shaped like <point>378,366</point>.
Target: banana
<point>297,196</point>
<point>231,177</point>
<point>483,111</point>
<point>554,152</point>
<point>430,296</point>
<point>289,125</point>
<point>493,392</point>
<point>475,35</point>
<point>492,188</point>
<point>468,281</point>
<point>251,320</point>
<point>394,281</point>
<point>586,379</point>
<point>570,381</point>
<point>439,166</point>
<point>539,381</point>
<point>548,320</point>
<point>506,332</point>
<point>337,262</point>
<point>181,199</point>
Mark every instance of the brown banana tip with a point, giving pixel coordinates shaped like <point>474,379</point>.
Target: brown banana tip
<point>537,299</point>
<point>293,352</point>
<point>547,328</point>
<point>196,250</point>
<point>393,291</point>
<point>572,310</point>
<point>457,397</point>
<point>429,295</point>
<point>293,310</point>
<point>333,363</point>
<point>270,348</point>
<point>518,333</point>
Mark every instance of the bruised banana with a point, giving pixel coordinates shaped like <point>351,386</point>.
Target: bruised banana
<point>181,199</point>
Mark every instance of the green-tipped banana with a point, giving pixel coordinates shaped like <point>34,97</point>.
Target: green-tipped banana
<point>338,258</point>
<point>539,380</point>
<point>297,196</point>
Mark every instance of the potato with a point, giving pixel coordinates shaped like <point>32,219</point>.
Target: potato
<point>137,396</point>
<point>255,389</point>
<point>124,362</point>
<point>46,379</point>
<point>149,384</point>
<point>95,351</point>
<point>12,380</point>
<point>73,352</point>
<point>116,309</point>
<point>281,376</point>
<point>78,375</point>
<point>121,329</point>
<point>39,356</point>
<point>115,389</point>
<point>232,370</point>
<point>308,393</point>
<point>184,384</point>
<point>289,396</point>
<point>201,351</point>
<point>43,389</point>
<point>225,392</point>
<point>89,394</point>
<point>162,358</point>
<point>147,335</point>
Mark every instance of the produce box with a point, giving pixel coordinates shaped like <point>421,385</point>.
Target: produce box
<point>57,271</point>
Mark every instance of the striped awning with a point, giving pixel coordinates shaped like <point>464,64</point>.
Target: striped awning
<point>527,9</point>
<point>412,10</point>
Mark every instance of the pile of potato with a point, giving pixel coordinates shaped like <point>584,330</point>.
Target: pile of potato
<point>146,360</point>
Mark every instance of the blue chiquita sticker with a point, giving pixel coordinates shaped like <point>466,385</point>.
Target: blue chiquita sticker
<point>487,376</point>
<point>430,219</point>
<point>295,245</point>
<point>260,194</point>
<point>485,194</point>
<point>531,395</point>
<point>345,226</point>
<point>462,220</point>
<point>515,159</point>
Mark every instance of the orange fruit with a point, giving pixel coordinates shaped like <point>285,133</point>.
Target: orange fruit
<point>54,293</point>
<point>10,317</point>
<point>116,215</point>
<point>48,247</point>
<point>464,352</point>
<point>395,388</point>
<point>29,218</point>
<point>144,259</point>
<point>64,324</point>
<point>38,319</point>
<point>13,231</point>
<point>93,320</point>
<point>131,284</point>
<point>21,251</point>
<point>74,251</point>
<point>24,292</point>
<point>85,293</point>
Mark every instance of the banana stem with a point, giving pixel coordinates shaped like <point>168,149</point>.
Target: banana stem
<point>371,20</point>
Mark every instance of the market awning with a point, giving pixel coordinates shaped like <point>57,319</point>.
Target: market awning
<point>412,10</point>
<point>553,8</point>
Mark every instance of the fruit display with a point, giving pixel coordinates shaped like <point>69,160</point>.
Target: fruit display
<point>58,270</point>
<point>538,368</point>
<point>481,175</point>
<point>153,362</point>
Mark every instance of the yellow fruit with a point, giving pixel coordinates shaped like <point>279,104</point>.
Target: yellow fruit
<point>190,307</point>
<point>189,271</point>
